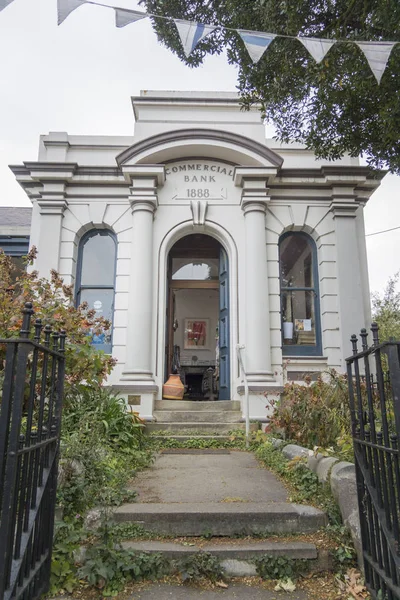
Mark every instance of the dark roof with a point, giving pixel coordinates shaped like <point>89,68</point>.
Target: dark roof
<point>15,216</point>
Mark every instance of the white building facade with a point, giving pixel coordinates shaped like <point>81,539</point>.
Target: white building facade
<point>197,235</point>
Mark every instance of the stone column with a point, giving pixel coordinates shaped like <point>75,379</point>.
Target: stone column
<point>254,203</point>
<point>144,201</point>
<point>344,208</point>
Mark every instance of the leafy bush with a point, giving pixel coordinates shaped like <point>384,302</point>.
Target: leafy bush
<point>66,542</point>
<point>316,413</point>
<point>201,566</point>
<point>102,445</point>
<point>97,411</point>
<point>109,568</point>
<point>279,567</point>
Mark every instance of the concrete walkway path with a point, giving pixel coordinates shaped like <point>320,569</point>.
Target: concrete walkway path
<point>234,592</point>
<point>195,476</point>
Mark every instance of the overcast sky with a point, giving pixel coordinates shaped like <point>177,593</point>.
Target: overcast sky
<point>79,78</point>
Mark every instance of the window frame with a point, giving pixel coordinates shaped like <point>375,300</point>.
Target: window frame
<point>79,287</point>
<point>15,246</point>
<point>296,350</point>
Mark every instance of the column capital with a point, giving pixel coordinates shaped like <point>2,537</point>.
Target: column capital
<point>156,173</point>
<point>344,202</point>
<point>52,206</point>
<point>52,200</point>
<point>144,182</point>
<point>255,197</point>
<point>143,194</point>
<point>254,181</point>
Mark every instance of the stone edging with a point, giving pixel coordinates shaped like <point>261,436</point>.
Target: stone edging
<point>341,477</point>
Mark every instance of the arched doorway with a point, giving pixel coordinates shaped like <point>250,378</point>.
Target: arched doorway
<point>197,336</point>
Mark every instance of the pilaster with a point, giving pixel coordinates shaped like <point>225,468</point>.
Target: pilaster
<point>345,208</point>
<point>144,181</point>
<point>254,201</point>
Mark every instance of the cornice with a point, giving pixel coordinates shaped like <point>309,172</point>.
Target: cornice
<point>180,135</point>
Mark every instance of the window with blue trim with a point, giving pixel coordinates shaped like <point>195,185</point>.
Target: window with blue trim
<point>16,247</point>
<point>301,327</point>
<point>96,279</point>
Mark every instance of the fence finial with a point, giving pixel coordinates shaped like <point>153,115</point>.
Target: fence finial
<point>375,333</point>
<point>38,330</point>
<point>47,333</point>
<point>27,312</point>
<point>354,340</point>
<point>56,337</point>
<point>364,340</point>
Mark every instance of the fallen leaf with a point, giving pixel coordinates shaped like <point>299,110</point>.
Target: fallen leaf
<point>286,586</point>
<point>222,584</point>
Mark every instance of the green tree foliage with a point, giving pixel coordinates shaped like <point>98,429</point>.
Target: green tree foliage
<point>334,107</point>
<point>386,310</point>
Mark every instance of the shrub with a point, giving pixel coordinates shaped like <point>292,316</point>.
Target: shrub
<point>279,567</point>
<point>200,566</point>
<point>109,568</point>
<point>316,413</point>
<point>102,445</point>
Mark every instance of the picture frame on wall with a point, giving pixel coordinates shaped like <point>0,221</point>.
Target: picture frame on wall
<point>196,334</point>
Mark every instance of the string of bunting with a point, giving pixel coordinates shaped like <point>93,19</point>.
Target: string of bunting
<point>256,42</point>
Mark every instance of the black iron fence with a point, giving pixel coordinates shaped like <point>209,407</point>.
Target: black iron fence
<point>32,373</point>
<point>374,389</point>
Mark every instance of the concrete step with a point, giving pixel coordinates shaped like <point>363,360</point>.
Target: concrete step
<point>185,438</point>
<point>236,556</point>
<point>197,416</point>
<point>224,519</point>
<point>186,428</point>
<point>197,405</point>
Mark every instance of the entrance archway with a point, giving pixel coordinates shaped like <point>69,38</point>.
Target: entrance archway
<point>197,336</point>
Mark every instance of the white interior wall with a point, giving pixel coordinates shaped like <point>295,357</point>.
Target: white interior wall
<point>196,304</point>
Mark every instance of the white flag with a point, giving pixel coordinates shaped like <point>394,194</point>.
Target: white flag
<point>256,42</point>
<point>65,8</point>
<point>124,17</point>
<point>377,55</point>
<point>317,47</point>
<point>4,3</point>
<point>192,33</point>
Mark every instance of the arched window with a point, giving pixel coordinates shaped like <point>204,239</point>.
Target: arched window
<point>96,279</point>
<point>301,329</point>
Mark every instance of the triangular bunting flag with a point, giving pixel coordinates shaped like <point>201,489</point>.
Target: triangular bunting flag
<point>377,55</point>
<point>65,8</point>
<point>4,3</point>
<point>317,47</point>
<point>125,17</point>
<point>192,33</point>
<point>256,42</point>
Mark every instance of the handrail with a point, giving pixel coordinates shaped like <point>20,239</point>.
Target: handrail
<point>239,349</point>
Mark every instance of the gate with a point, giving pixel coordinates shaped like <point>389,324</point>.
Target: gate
<point>31,401</point>
<point>374,391</point>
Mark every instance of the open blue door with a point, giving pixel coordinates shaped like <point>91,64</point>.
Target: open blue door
<point>224,359</point>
